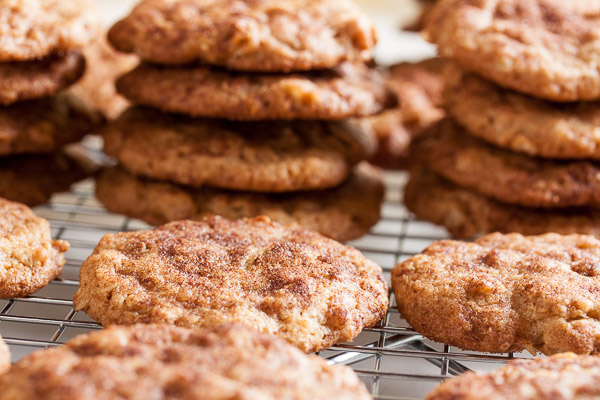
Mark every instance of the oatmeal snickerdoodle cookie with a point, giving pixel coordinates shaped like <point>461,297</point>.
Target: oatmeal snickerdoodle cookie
<point>562,376</point>
<point>505,293</point>
<point>4,356</point>
<point>465,213</point>
<point>258,35</point>
<point>269,156</point>
<point>164,362</point>
<point>30,259</point>
<point>509,177</point>
<point>291,282</point>
<point>44,125</point>
<point>342,213</point>
<point>521,123</point>
<point>347,90</point>
<point>546,48</point>
<point>34,79</point>
<point>34,29</point>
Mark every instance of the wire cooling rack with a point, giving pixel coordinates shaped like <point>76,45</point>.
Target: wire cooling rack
<point>393,361</point>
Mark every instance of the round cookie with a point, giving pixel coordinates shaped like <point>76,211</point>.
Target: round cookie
<point>290,282</point>
<point>34,79</point>
<point>348,90</point>
<point>35,29</point>
<point>272,156</point>
<point>566,376</point>
<point>44,125</point>
<point>466,214</point>
<point>511,178</point>
<point>97,86</point>
<point>418,87</point>
<point>33,179</point>
<point>342,213</point>
<point>263,35</point>
<point>505,293</point>
<point>30,258</point>
<point>4,357</point>
<point>521,123</point>
<point>545,48</point>
<point>168,362</point>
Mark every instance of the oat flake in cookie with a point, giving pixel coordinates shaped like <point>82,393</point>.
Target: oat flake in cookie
<point>29,258</point>
<point>562,376</point>
<point>545,48</point>
<point>290,282</point>
<point>248,35</point>
<point>505,293</point>
<point>162,362</point>
<point>34,29</point>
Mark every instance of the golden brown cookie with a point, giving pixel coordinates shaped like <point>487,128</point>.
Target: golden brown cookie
<point>34,79</point>
<point>4,357</point>
<point>511,178</point>
<point>291,282</point>
<point>423,17</point>
<point>44,125</point>
<point>30,259</point>
<point>272,156</point>
<point>34,29</point>
<point>418,87</point>
<point>562,376</point>
<point>348,90</point>
<point>263,35</point>
<point>33,179</point>
<point>97,87</point>
<point>465,213</point>
<point>545,48</point>
<point>505,293</point>
<point>164,362</point>
<point>521,123</point>
<point>341,213</point>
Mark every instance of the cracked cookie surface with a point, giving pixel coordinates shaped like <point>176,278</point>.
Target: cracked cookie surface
<point>505,293</point>
<point>163,362</point>
<point>29,258</point>
<point>290,282</point>
<point>545,48</point>
<point>565,376</point>
<point>256,35</point>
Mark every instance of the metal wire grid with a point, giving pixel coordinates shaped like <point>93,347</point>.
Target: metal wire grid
<point>394,361</point>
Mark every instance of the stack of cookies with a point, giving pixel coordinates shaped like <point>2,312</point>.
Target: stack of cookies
<point>520,150</point>
<point>250,99</point>
<point>40,55</point>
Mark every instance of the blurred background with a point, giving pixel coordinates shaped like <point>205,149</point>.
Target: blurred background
<point>388,15</point>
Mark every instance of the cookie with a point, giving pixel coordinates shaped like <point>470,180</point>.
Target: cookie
<point>34,79</point>
<point>424,13</point>
<point>35,29</point>
<point>30,258</point>
<point>465,213</point>
<point>264,35</point>
<point>168,362</point>
<point>521,123</point>
<point>290,282</point>
<point>419,88</point>
<point>509,177</point>
<point>565,376</point>
<point>348,90</point>
<point>543,48</point>
<point>275,156</point>
<point>33,179</point>
<point>4,357</point>
<point>97,87</point>
<point>44,125</point>
<point>505,293</point>
<point>341,213</point>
